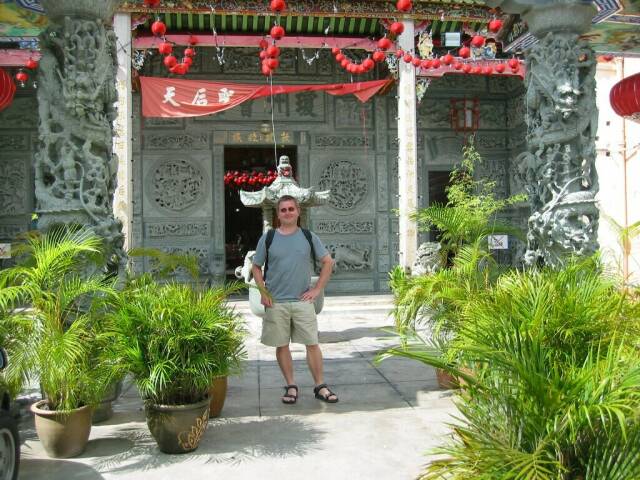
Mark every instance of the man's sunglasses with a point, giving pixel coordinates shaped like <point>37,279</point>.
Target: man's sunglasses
<point>287,209</point>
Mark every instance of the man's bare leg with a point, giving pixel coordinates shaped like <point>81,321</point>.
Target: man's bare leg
<point>314,360</point>
<point>283,355</point>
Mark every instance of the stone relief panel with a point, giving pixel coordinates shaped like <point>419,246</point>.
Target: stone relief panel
<point>515,111</point>
<point>14,142</point>
<point>344,141</point>
<point>177,187</point>
<point>351,257</point>
<point>13,187</point>
<point>497,141</point>
<point>495,169</point>
<point>330,226</point>
<point>351,113</point>
<point>202,255</point>
<point>434,113</point>
<point>493,115</point>
<point>444,149</point>
<point>348,182</point>
<point>11,231</point>
<point>169,123</point>
<point>21,115</point>
<point>183,141</point>
<point>155,230</point>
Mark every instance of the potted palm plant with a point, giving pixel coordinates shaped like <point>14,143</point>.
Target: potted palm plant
<point>56,299</point>
<point>175,340</point>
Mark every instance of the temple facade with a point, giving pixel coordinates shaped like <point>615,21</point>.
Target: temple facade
<point>167,178</point>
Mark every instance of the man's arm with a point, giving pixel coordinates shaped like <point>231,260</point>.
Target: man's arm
<point>325,273</point>
<point>257,275</point>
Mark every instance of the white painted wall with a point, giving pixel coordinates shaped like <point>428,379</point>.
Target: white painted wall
<point>618,156</point>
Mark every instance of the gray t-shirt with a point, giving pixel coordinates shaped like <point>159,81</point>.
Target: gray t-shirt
<point>290,268</point>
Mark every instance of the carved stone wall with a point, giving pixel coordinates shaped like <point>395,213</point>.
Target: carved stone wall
<point>18,141</point>
<point>342,145</point>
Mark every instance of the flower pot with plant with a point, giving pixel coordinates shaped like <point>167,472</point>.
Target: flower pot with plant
<point>175,340</point>
<point>57,294</point>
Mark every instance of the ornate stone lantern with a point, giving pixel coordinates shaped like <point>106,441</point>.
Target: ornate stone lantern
<point>266,199</point>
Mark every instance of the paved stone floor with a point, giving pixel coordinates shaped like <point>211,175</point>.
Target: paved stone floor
<point>388,417</point>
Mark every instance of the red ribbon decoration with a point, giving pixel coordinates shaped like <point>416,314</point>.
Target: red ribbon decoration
<point>169,97</point>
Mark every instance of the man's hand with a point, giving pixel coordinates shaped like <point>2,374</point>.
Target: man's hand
<point>266,301</point>
<point>310,295</point>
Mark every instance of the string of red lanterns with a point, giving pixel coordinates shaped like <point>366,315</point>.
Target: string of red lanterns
<point>270,54</point>
<point>246,180</point>
<point>22,77</point>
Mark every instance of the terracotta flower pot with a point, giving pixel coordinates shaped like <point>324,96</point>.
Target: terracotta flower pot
<point>178,428</point>
<point>63,435</point>
<point>217,396</point>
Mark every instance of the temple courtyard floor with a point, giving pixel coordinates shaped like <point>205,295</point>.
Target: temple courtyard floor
<point>388,418</point>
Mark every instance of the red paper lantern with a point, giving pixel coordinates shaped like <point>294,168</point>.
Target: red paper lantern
<point>378,56</point>
<point>179,69</point>
<point>344,63</point>
<point>500,68</point>
<point>263,54</point>
<point>399,53</point>
<point>170,61</point>
<point>476,70</point>
<point>340,57</point>
<point>404,5</point>
<point>435,63</point>
<point>464,52</point>
<point>513,63</point>
<point>396,28</point>
<point>273,63</point>
<point>278,5</point>
<point>425,64</point>
<point>447,59</point>
<point>607,57</point>
<point>31,64</point>
<point>416,61</point>
<point>189,52</point>
<point>22,78</point>
<point>488,70</point>
<point>187,61</point>
<point>477,41</point>
<point>273,51</point>
<point>335,51</point>
<point>407,58</point>
<point>263,44</point>
<point>466,68</point>
<point>368,64</point>
<point>428,64</point>
<point>495,25</point>
<point>277,32</point>
<point>360,69</point>
<point>384,43</point>
<point>158,28</point>
<point>165,48</point>
<point>457,65</point>
<point>151,3</point>
<point>625,98</point>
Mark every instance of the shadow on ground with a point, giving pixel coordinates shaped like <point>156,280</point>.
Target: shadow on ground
<point>226,441</point>
<point>33,468</point>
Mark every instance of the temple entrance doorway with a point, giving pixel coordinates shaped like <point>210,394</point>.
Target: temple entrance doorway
<point>243,226</point>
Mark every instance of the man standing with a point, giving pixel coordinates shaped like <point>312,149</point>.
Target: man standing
<point>289,312</point>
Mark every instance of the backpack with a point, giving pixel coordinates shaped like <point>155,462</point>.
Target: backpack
<point>269,240</point>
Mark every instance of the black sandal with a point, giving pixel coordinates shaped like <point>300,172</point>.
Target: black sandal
<point>287,395</point>
<point>324,398</point>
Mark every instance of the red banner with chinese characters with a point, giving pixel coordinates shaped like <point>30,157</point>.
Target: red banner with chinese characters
<point>169,97</point>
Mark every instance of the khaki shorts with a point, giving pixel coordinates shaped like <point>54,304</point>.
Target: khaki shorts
<point>290,322</point>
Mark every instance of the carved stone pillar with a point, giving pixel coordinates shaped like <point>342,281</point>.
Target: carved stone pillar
<point>123,198</point>
<point>75,168</point>
<point>558,170</point>
<point>407,152</point>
